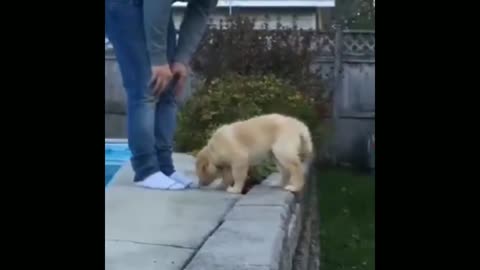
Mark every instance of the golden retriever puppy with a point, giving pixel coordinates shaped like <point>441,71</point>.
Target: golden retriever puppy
<point>234,148</point>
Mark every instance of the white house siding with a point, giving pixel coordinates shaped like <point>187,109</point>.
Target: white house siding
<point>304,18</point>
<point>268,3</point>
<point>302,13</point>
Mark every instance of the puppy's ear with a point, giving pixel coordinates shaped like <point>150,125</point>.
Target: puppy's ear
<point>203,164</point>
<point>209,168</point>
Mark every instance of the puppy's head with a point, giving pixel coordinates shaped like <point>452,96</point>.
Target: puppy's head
<point>205,169</point>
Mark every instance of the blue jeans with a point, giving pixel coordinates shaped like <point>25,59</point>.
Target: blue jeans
<point>151,120</point>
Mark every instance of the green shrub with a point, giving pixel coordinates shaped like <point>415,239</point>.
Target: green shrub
<point>235,97</point>
<point>238,47</point>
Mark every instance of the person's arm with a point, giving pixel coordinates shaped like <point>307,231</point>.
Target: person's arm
<point>193,27</point>
<point>156,15</point>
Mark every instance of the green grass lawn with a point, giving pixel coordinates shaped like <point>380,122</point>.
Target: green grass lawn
<point>347,220</point>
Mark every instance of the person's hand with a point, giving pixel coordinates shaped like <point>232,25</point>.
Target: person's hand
<point>180,74</point>
<point>161,76</point>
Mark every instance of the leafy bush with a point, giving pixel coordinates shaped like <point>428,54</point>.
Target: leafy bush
<point>234,97</point>
<point>239,48</point>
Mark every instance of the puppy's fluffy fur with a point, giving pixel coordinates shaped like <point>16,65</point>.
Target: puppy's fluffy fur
<point>234,148</point>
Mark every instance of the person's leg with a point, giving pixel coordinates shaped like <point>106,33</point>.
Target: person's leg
<point>166,119</point>
<point>124,29</point>
<point>166,114</point>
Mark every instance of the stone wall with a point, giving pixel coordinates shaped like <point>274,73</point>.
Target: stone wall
<point>260,232</point>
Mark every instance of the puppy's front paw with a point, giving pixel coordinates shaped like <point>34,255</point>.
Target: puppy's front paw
<point>234,190</point>
<point>291,188</point>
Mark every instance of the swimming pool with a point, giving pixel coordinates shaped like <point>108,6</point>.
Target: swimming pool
<point>116,154</point>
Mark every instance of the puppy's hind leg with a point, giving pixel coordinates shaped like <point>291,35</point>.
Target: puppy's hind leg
<point>285,174</point>
<point>286,152</point>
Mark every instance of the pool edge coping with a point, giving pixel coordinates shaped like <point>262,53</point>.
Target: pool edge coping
<point>116,140</point>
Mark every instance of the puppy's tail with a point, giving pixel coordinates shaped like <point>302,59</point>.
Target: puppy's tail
<point>306,151</point>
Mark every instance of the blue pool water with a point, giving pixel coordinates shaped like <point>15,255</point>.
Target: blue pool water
<point>116,154</point>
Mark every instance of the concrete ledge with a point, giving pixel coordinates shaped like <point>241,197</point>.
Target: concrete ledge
<point>260,232</point>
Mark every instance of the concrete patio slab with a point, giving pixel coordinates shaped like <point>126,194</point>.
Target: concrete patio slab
<point>154,229</point>
<point>143,256</point>
<point>179,218</point>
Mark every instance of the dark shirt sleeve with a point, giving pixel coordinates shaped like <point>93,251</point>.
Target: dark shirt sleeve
<point>193,27</point>
<point>156,19</point>
<point>156,16</point>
